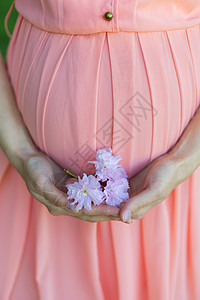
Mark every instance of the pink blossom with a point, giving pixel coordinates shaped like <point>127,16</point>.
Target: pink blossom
<point>116,191</point>
<point>107,165</point>
<point>85,191</point>
<point>113,179</point>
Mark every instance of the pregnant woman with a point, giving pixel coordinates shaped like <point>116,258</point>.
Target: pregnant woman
<point>80,76</point>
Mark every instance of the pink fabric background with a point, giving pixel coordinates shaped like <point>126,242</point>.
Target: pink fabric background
<point>75,91</point>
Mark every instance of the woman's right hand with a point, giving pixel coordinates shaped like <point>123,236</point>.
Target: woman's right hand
<point>45,181</point>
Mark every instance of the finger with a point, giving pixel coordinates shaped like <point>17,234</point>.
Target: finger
<point>71,180</point>
<point>54,195</point>
<point>60,211</point>
<point>97,210</point>
<point>99,218</point>
<point>39,197</point>
<point>104,210</point>
<point>137,202</point>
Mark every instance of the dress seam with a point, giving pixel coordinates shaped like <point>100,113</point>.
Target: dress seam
<point>97,85</point>
<point>151,97</point>
<point>22,62</point>
<point>112,86</point>
<point>179,84</point>
<point>194,71</point>
<point>29,71</point>
<point>51,81</point>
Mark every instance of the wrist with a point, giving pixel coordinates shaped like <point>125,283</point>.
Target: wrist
<point>186,152</point>
<point>185,162</point>
<point>17,155</point>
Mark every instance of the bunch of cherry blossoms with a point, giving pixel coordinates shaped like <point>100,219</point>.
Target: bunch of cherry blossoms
<point>108,185</point>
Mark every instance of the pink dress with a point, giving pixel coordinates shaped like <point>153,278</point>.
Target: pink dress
<point>83,82</point>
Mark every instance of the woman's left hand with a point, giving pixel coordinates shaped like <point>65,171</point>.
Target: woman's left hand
<point>149,187</point>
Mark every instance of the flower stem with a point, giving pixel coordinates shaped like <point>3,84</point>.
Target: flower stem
<point>70,173</point>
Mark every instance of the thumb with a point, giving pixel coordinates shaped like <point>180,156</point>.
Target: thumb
<point>135,203</point>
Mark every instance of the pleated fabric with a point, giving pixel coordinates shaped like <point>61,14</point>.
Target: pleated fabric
<point>134,92</point>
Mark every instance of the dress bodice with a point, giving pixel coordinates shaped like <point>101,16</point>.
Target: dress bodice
<point>85,17</point>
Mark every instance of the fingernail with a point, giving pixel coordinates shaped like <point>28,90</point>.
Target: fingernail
<point>127,215</point>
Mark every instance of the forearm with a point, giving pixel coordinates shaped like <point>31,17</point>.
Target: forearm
<point>15,140</point>
<point>186,152</point>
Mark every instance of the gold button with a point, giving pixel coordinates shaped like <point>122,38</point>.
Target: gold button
<point>108,16</point>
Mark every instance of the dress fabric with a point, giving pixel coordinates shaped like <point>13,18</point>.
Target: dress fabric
<point>133,90</point>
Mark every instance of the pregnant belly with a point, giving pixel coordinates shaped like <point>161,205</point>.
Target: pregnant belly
<point>133,92</point>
